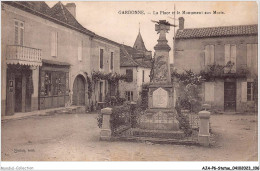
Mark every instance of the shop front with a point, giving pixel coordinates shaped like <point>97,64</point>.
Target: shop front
<point>53,84</point>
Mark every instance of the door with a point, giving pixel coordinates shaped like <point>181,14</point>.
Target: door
<point>230,96</point>
<point>18,94</point>
<point>79,91</point>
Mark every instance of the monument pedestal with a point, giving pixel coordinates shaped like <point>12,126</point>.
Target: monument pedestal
<point>161,114</point>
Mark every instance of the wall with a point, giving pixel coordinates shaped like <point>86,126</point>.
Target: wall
<point>190,55</point>
<point>136,85</point>
<point>187,49</point>
<point>129,86</point>
<point>37,34</point>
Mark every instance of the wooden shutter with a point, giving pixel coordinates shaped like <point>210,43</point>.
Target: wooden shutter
<point>209,91</point>
<point>129,74</point>
<point>249,55</point>
<point>243,91</point>
<point>16,34</point>
<point>54,43</point>
<point>112,61</point>
<point>233,57</point>
<point>101,56</point>
<point>207,57</point>
<point>212,54</point>
<point>227,53</point>
<point>80,50</point>
<point>254,57</point>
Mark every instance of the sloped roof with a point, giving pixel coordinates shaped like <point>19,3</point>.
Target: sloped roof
<point>139,43</point>
<point>223,31</point>
<point>58,13</point>
<point>127,60</point>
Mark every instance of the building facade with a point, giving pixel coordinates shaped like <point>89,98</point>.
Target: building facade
<point>236,48</point>
<point>47,56</point>
<point>135,62</point>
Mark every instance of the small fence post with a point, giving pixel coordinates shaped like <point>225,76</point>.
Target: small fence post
<point>204,135</point>
<point>105,133</point>
<point>132,114</point>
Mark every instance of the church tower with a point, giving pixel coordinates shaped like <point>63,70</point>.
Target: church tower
<point>139,43</point>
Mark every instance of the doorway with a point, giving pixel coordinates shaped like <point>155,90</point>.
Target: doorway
<point>79,91</point>
<point>101,91</point>
<point>18,93</point>
<point>230,96</point>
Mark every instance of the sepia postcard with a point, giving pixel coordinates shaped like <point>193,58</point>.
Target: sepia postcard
<point>88,82</point>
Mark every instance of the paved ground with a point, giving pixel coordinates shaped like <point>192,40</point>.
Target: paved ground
<point>75,137</point>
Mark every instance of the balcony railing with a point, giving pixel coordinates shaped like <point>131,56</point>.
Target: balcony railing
<point>22,55</point>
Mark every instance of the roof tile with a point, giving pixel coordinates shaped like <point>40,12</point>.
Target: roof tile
<point>217,31</point>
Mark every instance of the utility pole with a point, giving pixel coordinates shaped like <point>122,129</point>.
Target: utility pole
<point>174,18</point>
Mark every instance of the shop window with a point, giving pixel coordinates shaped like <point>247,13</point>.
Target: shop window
<point>129,95</point>
<point>54,83</point>
<point>47,84</point>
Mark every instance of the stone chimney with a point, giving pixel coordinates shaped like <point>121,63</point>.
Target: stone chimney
<point>72,8</point>
<point>181,23</point>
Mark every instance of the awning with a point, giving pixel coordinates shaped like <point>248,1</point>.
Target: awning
<point>51,62</point>
<point>20,62</point>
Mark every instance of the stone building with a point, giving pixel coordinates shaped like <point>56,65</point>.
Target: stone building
<point>135,62</point>
<point>198,48</point>
<point>47,56</point>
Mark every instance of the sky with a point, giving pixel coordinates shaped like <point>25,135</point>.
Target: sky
<point>104,18</point>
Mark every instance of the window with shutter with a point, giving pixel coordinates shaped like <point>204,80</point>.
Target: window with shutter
<point>233,57</point>
<point>54,44</point>
<point>251,55</point>
<point>129,75</point>
<point>230,56</point>
<point>129,95</point>
<point>101,58</point>
<point>244,91</point>
<point>80,44</point>
<point>112,61</point>
<point>18,32</point>
<point>209,55</point>
<point>209,91</point>
<point>143,76</point>
<point>250,91</point>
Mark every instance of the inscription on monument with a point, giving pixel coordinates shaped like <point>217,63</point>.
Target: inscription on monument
<point>160,98</point>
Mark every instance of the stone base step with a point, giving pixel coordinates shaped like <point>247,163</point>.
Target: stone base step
<point>68,110</point>
<point>150,140</point>
<point>166,134</point>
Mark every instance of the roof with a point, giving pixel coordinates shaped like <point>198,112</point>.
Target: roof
<point>139,43</point>
<point>58,14</point>
<point>223,31</point>
<point>127,59</point>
